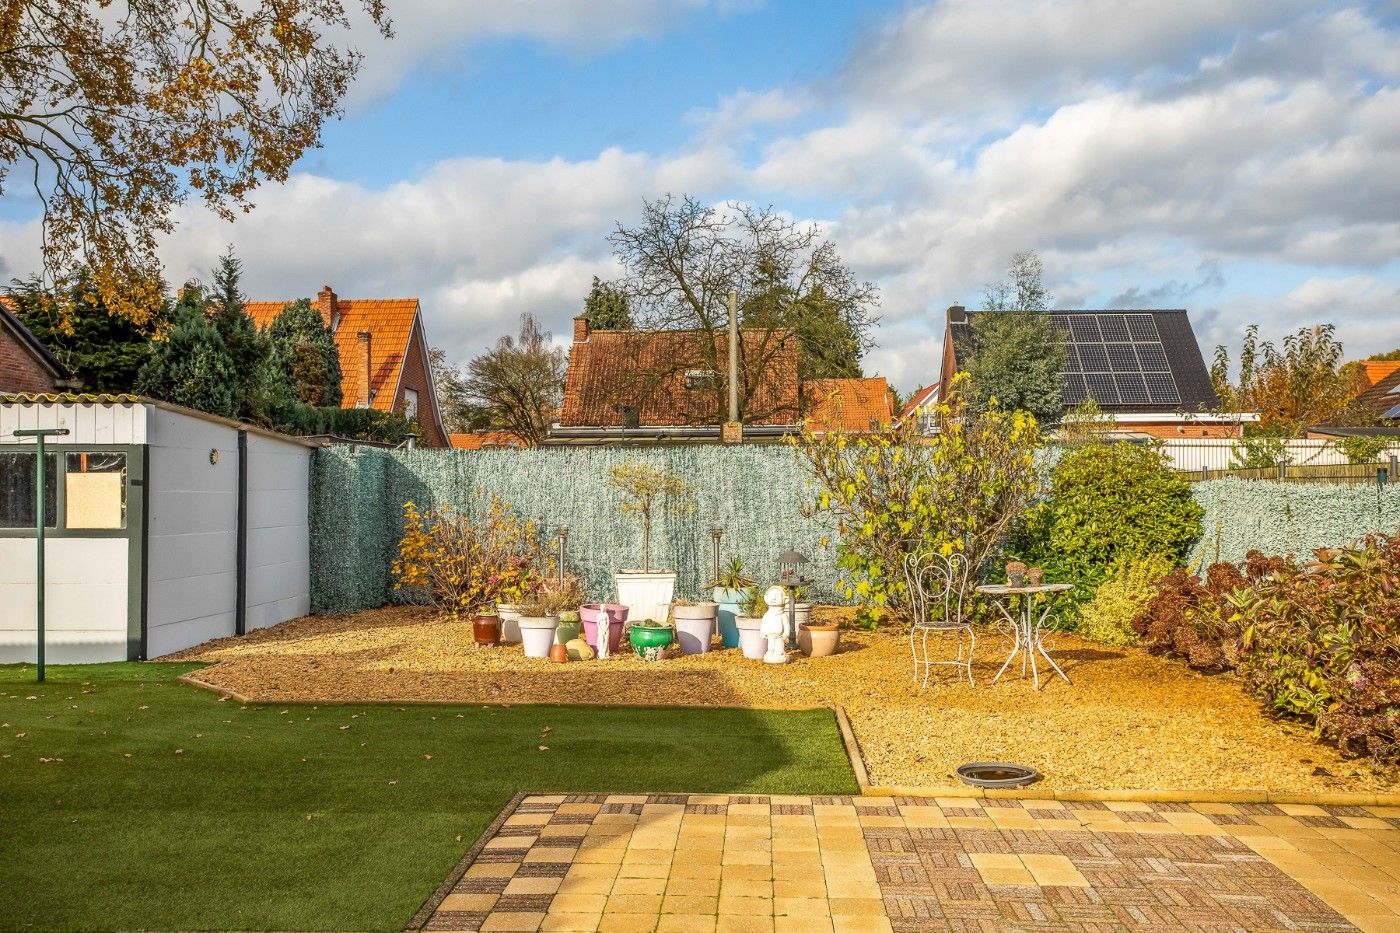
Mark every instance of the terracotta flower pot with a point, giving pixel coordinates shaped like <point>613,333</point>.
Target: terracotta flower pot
<point>558,653</point>
<point>819,640</point>
<point>486,630</point>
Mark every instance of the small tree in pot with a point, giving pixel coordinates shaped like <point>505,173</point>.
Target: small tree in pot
<point>648,491</point>
<point>730,589</point>
<point>750,624</point>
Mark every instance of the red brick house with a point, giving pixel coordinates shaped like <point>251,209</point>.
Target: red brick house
<point>383,355</point>
<point>26,365</point>
<point>657,386</point>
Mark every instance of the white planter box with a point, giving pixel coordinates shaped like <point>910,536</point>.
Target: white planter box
<point>646,595</point>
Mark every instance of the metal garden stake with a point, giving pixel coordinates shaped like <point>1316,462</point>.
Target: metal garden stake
<point>39,434</point>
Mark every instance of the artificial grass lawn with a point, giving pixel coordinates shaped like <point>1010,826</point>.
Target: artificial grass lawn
<point>129,800</point>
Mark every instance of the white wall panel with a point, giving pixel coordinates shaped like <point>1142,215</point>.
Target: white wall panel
<point>85,599</point>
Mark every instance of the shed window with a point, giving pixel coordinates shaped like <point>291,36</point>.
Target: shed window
<point>18,476</point>
<point>95,490</point>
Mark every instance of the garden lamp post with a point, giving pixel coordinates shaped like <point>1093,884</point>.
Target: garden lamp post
<point>716,532</point>
<point>562,533</point>
<point>790,578</point>
<point>39,435</point>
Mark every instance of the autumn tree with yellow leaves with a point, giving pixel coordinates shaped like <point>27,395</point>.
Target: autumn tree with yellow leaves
<point>116,111</point>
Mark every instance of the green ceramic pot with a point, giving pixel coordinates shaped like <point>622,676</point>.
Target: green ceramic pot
<point>567,631</point>
<point>651,641</point>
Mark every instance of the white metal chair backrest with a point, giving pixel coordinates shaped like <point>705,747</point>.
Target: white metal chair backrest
<point>933,578</point>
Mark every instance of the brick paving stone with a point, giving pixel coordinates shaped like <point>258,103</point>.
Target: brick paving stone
<point>1026,865</point>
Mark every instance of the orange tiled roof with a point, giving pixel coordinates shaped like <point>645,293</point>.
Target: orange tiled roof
<point>388,320</point>
<point>848,404</point>
<point>482,440</point>
<point>1376,370</point>
<point>647,369</point>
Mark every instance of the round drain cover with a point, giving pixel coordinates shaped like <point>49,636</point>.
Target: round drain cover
<point>997,774</point>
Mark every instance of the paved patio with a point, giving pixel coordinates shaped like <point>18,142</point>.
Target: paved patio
<point>697,862</point>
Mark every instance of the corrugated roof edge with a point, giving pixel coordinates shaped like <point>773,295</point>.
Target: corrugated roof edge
<point>78,398</point>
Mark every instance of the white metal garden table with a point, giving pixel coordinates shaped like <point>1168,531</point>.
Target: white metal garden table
<point>1026,624</point>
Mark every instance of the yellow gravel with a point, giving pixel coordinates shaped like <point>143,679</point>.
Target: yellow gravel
<point>1129,721</point>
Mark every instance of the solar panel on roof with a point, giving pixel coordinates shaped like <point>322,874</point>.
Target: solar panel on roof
<point>1071,359</point>
<point>1084,328</point>
<point>1073,391</point>
<point>1393,413</point>
<point>1393,390</point>
<point>1121,358</point>
<point>1060,326</point>
<point>1102,388</point>
<point>1161,389</point>
<point>1093,358</point>
<point>1142,327</point>
<point>1113,327</point>
<point>1131,389</point>
<point>1153,358</point>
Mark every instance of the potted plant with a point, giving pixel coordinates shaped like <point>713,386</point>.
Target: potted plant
<point>569,626</point>
<point>730,590</point>
<point>818,639</point>
<point>650,639</point>
<point>537,623</point>
<point>509,614</point>
<point>648,491</point>
<point>564,597</point>
<point>593,613</point>
<point>695,625</point>
<point>1015,573</point>
<point>750,625</point>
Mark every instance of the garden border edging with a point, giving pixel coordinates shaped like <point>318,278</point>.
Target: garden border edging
<point>852,748</point>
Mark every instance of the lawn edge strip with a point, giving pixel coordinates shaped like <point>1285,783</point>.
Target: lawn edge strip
<point>425,913</point>
<point>1335,799</point>
<point>852,746</point>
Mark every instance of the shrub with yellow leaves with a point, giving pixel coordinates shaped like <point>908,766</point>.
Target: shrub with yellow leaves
<point>466,564</point>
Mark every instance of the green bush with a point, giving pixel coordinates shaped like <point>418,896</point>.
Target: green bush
<point>1108,504</point>
<point>1109,615</point>
<point>358,424</point>
<point>1364,448</point>
<point>1323,642</point>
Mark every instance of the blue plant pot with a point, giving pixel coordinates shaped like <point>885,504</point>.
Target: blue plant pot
<point>729,602</point>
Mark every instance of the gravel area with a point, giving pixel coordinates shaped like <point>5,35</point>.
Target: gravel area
<point>1129,721</point>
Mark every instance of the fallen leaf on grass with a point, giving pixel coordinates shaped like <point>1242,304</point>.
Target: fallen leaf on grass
<point>47,760</point>
<point>179,751</point>
<point>427,757</point>
<point>544,748</point>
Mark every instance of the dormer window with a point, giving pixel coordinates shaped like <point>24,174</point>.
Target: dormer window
<point>701,379</point>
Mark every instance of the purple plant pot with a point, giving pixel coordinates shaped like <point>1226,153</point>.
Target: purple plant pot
<point>617,616</point>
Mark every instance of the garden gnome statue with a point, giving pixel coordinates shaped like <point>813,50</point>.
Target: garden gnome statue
<point>774,627</point>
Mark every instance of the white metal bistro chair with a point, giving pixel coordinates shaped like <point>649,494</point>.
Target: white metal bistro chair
<point>937,587</point>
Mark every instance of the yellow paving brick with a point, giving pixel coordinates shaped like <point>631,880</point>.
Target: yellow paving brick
<point>985,860</point>
<point>1006,876</point>
<point>689,904</point>
<point>586,886</point>
<point>527,885</point>
<point>685,923</point>
<point>555,922</point>
<point>491,870</point>
<point>512,921</point>
<point>526,819</point>
<point>510,842</point>
<point>846,891</point>
<point>744,904</point>
<point>807,886</point>
<point>693,887</point>
<point>621,922</point>
<point>646,856</point>
<point>578,903</point>
<point>689,868</point>
<point>971,822</point>
<point>644,870</point>
<point>1216,808</point>
<point>857,907</point>
<point>800,906</point>
<point>1128,806</point>
<point>749,855</point>
<point>854,923</point>
<point>802,923</point>
<point>550,854</point>
<point>739,874</point>
<point>638,886</point>
<point>633,904</point>
<point>1364,822</point>
<point>609,856</point>
<point>744,923</point>
<point>1301,809</point>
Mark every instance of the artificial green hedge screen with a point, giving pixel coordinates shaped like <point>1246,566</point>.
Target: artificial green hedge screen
<point>754,493</point>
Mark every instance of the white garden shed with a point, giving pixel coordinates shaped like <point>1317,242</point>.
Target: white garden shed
<point>165,527</point>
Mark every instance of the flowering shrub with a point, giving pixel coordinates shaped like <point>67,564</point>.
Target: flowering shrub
<point>1323,643</point>
<point>464,565</point>
<point>894,491</point>
<point>1109,615</point>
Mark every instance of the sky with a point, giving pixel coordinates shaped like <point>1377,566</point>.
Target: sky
<point>1238,158</point>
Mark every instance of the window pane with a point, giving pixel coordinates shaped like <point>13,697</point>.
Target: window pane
<point>95,486</point>
<point>17,478</point>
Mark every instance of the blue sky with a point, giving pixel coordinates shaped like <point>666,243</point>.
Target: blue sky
<point>1234,157</point>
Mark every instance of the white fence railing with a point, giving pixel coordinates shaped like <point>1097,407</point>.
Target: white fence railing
<point>1214,454</point>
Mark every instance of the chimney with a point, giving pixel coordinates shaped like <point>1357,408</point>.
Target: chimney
<point>957,314</point>
<point>329,306</point>
<point>366,338</point>
<point>581,329</point>
<point>733,355</point>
